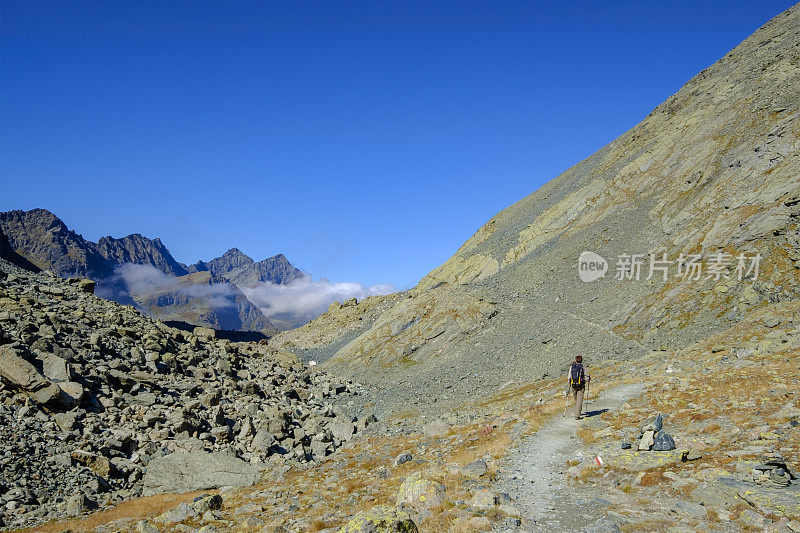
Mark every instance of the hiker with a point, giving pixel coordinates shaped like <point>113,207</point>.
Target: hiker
<point>577,378</point>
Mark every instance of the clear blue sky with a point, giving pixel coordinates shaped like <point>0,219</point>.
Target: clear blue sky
<point>365,140</point>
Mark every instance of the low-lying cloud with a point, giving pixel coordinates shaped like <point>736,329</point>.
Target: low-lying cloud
<point>304,299</point>
<point>287,306</point>
<point>131,279</point>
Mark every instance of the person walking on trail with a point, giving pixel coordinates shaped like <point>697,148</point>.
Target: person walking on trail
<point>577,378</point>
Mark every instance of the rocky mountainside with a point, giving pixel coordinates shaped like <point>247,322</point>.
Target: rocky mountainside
<point>712,173</point>
<point>43,239</point>
<point>39,238</point>
<point>140,250</point>
<point>99,403</point>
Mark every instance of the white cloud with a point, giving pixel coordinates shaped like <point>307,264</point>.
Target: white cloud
<point>305,298</point>
<point>143,278</point>
<point>133,279</point>
<point>288,305</point>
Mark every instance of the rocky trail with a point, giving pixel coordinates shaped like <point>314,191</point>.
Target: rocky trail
<point>534,472</point>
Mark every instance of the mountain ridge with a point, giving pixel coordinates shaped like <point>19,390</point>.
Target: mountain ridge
<point>40,238</point>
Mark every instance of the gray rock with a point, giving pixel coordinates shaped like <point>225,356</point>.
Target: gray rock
<point>23,376</point>
<point>654,425</point>
<point>692,509</point>
<point>54,368</point>
<point>98,464</point>
<point>475,469</point>
<point>144,527</point>
<point>483,500</point>
<point>206,502</point>
<point>182,471</point>
<point>205,333</point>
<point>66,421</point>
<point>87,285</point>
<point>71,393</point>
<point>79,503</point>
<point>263,440</point>
<point>663,442</point>
<point>342,430</point>
<point>178,514</point>
<point>402,458</point>
<point>753,520</point>
<point>692,455</point>
<point>647,441</point>
<point>319,449</point>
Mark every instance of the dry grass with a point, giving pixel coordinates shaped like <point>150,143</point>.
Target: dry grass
<point>133,509</point>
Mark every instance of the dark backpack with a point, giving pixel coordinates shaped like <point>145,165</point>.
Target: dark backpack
<point>576,377</point>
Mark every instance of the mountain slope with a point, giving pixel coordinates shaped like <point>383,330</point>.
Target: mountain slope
<point>42,238</point>
<point>713,169</point>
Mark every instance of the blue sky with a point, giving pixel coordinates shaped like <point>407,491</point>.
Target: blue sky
<point>365,140</point>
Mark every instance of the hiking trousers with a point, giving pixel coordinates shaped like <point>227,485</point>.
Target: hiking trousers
<point>577,397</point>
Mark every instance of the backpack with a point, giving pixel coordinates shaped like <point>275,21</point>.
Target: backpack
<point>576,376</point>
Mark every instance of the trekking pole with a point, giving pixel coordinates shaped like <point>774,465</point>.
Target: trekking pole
<point>586,399</point>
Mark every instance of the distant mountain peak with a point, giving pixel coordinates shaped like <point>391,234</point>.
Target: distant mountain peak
<point>235,255</point>
<point>239,268</point>
<point>138,249</point>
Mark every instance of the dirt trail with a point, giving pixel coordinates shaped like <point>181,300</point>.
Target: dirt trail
<point>533,474</point>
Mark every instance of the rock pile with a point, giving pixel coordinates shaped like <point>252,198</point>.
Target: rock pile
<point>772,470</point>
<point>653,437</point>
<point>95,398</point>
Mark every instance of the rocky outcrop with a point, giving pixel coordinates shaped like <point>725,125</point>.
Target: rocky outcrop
<point>7,252</point>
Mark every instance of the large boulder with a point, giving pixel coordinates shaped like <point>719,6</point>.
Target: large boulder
<point>71,393</point>
<point>183,471</point>
<point>636,461</point>
<point>98,464</point>
<point>86,285</point>
<point>284,358</point>
<point>420,493</point>
<point>54,367</point>
<point>205,333</point>
<point>380,519</point>
<point>22,375</point>
<point>342,429</point>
